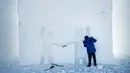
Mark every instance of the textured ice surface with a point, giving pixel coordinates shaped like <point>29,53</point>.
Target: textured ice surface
<point>70,68</point>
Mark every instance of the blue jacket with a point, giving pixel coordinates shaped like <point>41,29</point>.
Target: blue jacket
<point>89,44</point>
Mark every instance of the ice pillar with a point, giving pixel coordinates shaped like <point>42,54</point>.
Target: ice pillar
<point>80,51</point>
<point>120,28</point>
<point>8,31</point>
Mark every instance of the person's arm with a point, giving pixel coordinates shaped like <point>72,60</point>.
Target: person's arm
<point>93,39</point>
<point>84,43</point>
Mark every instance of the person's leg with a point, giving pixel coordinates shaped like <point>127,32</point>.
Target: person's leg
<point>89,59</point>
<point>94,59</point>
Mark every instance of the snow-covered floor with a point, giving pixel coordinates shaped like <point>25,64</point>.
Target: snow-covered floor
<point>69,68</point>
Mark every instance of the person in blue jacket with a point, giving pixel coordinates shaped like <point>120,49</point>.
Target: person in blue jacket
<point>89,44</point>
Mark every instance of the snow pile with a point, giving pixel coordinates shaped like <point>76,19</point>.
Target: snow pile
<point>93,69</point>
<point>122,68</point>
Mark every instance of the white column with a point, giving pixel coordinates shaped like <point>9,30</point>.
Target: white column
<point>80,51</point>
<point>120,28</point>
<point>8,31</point>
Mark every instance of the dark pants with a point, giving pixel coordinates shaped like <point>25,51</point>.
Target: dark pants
<point>91,55</point>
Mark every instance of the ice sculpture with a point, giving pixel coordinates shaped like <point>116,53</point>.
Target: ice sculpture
<point>47,41</point>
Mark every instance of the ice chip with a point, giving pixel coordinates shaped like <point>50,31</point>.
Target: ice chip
<point>63,71</point>
<point>100,67</point>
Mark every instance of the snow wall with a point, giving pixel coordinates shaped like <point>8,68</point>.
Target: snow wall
<point>67,21</point>
<point>63,18</point>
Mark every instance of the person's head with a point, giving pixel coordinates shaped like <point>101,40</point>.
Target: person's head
<point>86,37</point>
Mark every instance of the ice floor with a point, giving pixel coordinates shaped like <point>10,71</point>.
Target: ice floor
<point>69,68</point>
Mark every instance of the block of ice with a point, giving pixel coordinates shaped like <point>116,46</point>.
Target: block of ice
<point>100,67</point>
<point>63,71</point>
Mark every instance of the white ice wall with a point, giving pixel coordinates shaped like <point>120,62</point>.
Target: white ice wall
<point>62,17</point>
<point>30,27</point>
<point>121,25</point>
<point>8,31</point>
